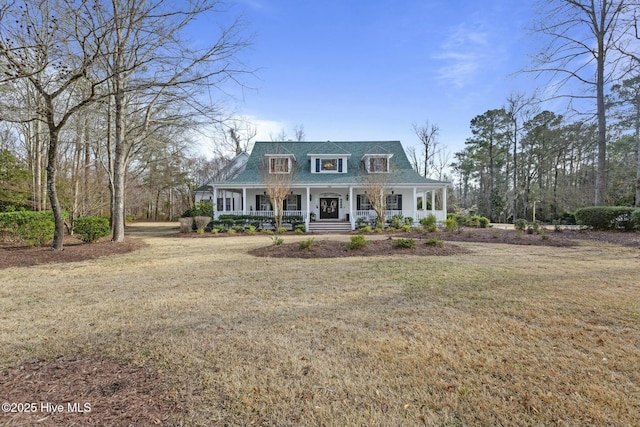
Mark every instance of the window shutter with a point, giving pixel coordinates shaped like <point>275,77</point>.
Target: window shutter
<point>257,202</point>
<point>358,202</point>
<point>298,202</point>
<point>399,202</point>
<point>340,165</point>
<point>317,165</point>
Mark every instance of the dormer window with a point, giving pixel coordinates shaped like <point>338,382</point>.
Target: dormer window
<point>280,164</point>
<point>327,163</point>
<point>376,163</point>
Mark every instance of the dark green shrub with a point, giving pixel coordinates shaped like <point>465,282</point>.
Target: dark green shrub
<point>29,227</point>
<point>299,227</point>
<point>567,218</point>
<point>357,242</point>
<point>483,222</point>
<point>403,243</point>
<point>429,223</point>
<point>635,218</point>
<point>91,228</point>
<point>520,224</point>
<point>606,217</point>
<point>200,209</point>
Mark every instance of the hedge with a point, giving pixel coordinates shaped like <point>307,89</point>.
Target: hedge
<point>28,227</point>
<point>608,217</point>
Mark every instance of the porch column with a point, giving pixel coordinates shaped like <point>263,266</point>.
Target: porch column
<point>444,201</point>
<point>215,202</point>
<point>433,202</point>
<point>352,218</point>
<point>308,213</point>
<point>244,200</point>
<point>415,205</point>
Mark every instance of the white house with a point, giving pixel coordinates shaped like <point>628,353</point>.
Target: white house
<point>329,182</point>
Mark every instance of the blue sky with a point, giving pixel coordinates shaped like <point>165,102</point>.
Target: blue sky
<point>367,70</point>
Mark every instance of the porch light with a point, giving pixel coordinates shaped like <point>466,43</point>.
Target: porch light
<point>310,197</point>
<point>347,197</point>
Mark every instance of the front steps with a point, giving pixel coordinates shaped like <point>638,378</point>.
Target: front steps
<point>330,227</point>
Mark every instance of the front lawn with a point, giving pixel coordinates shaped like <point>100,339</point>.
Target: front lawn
<point>499,335</point>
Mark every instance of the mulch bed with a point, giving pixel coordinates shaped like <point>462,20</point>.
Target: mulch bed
<point>85,392</point>
<point>335,249</point>
<point>13,255</point>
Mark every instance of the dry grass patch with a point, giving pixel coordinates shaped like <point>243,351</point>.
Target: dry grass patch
<point>502,335</point>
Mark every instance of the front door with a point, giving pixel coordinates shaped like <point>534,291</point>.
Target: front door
<point>328,208</point>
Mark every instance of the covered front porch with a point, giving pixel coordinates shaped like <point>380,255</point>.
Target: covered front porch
<point>332,203</point>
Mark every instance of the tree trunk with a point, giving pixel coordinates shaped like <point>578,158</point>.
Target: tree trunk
<point>58,233</point>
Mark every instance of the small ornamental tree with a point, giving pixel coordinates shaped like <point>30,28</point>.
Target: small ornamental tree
<point>278,172</point>
<point>377,186</point>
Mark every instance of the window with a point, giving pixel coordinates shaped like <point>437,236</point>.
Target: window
<point>363,203</point>
<point>263,203</point>
<point>329,165</point>
<point>279,165</point>
<point>378,164</point>
<point>394,202</point>
<point>292,202</point>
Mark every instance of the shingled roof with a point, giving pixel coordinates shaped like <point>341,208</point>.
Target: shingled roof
<point>401,170</point>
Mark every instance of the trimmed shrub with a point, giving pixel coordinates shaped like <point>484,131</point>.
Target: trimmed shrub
<point>483,222</point>
<point>91,228</point>
<point>403,243</point>
<point>357,242</point>
<point>606,217</point>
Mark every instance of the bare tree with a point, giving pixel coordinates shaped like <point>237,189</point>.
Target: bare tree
<point>377,186</point>
<point>585,37</point>
<point>278,173</point>
<point>150,61</point>
<point>428,135</point>
<point>53,46</point>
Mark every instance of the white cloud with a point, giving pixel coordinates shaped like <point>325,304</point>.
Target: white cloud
<point>464,53</point>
